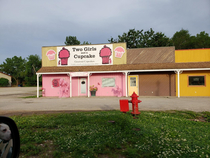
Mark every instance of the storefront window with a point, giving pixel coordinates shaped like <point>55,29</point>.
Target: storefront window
<point>133,81</point>
<point>196,80</point>
<point>108,82</point>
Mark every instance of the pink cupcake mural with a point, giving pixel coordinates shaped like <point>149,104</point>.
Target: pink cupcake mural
<point>51,54</point>
<point>105,53</point>
<point>119,51</point>
<point>64,54</point>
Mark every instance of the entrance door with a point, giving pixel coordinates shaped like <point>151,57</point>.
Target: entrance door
<point>133,85</point>
<point>83,86</point>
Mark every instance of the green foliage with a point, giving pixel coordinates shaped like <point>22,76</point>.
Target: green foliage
<point>183,40</point>
<point>33,96</point>
<point>32,66</point>
<point>4,82</point>
<point>139,39</point>
<point>201,40</point>
<point>159,40</point>
<point>15,67</point>
<point>207,116</point>
<point>71,40</point>
<point>21,70</point>
<point>114,134</point>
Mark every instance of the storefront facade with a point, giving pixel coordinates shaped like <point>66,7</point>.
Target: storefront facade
<point>69,71</point>
<point>194,82</point>
<point>153,84</point>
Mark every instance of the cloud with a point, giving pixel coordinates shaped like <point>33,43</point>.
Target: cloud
<point>26,26</point>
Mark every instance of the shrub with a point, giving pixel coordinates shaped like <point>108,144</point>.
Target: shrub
<point>4,82</point>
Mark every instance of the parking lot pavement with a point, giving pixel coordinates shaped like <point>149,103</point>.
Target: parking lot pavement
<point>11,102</point>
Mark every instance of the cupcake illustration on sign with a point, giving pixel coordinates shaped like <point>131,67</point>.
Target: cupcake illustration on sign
<point>119,51</point>
<point>105,53</point>
<point>51,54</point>
<point>64,54</point>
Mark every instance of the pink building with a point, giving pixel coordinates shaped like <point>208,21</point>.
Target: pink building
<point>113,70</point>
<point>108,84</point>
<point>70,71</point>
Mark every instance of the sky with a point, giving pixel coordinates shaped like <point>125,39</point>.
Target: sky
<point>27,25</point>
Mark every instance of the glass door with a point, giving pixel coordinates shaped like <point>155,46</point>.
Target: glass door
<point>83,86</point>
<point>133,85</point>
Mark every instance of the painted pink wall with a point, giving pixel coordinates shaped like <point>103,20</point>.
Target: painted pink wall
<point>51,91</point>
<point>75,86</point>
<point>96,80</point>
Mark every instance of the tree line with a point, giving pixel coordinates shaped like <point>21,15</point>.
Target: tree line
<point>143,39</point>
<point>181,39</point>
<point>23,71</point>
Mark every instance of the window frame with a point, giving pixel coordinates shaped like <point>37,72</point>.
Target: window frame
<point>188,77</point>
<point>135,82</point>
<point>108,78</point>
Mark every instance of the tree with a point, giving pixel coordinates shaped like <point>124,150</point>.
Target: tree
<point>159,40</point>
<point>15,67</point>
<point>139,39</point>
<point>202,40</point>
<point>181,39</point>
<point>32,66</point>
<point>132,38</point>
<point>72,40</point>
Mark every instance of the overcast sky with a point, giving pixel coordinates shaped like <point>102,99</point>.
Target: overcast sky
<point>27,25</point>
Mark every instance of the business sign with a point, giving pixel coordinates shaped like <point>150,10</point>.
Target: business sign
<point>85,55</point>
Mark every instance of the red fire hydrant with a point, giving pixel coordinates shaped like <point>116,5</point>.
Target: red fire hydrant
<point>135,102</point>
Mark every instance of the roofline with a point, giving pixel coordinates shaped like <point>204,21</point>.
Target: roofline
<point>148,70</point>
<point>192,49</point>
<point>5,74</point>
<point>151,47</point>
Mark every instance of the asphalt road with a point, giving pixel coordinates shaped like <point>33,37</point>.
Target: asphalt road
<point>12,103</point>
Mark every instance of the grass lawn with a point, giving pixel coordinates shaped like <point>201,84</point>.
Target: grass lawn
<point>106,134</point>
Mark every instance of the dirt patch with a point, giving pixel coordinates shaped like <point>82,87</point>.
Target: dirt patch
<point>199,119</point>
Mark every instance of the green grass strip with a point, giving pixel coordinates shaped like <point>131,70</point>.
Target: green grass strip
<point>114,134</point>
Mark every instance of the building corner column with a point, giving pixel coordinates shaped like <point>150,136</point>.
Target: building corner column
<point>88,84</point>
<point>126,84</point>
<point>178,72</point>
<point>37,82</point>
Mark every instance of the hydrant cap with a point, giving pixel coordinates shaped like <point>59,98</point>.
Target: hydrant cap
<point>134,95</point>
